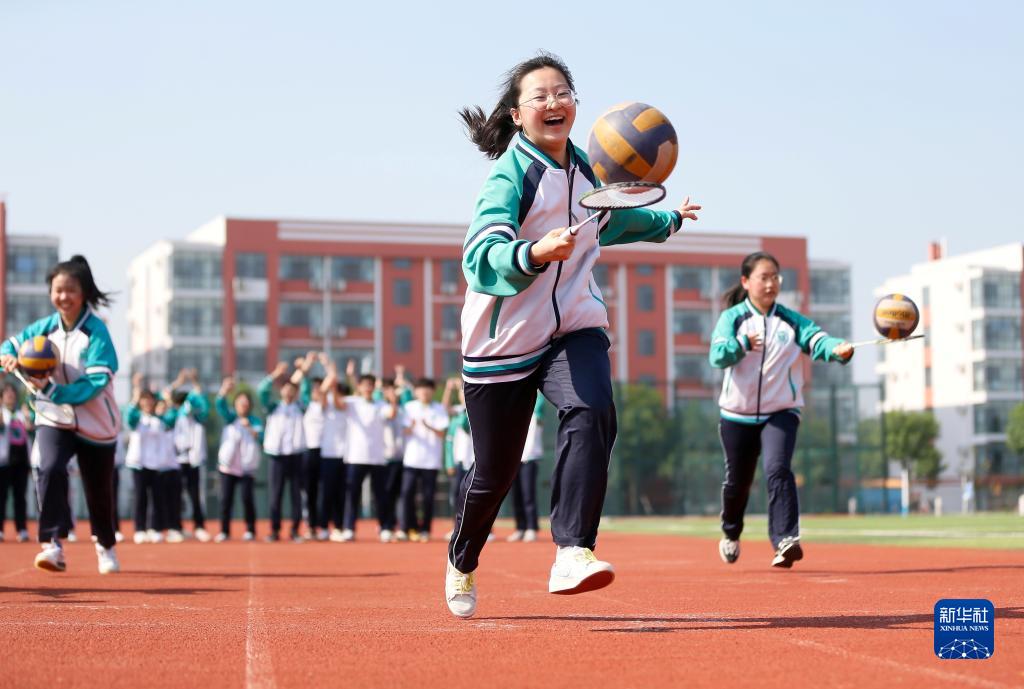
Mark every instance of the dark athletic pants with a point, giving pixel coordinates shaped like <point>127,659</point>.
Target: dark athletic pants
<point>575,376</point>
<point>14,476</point>
<point>424,482</point>
<point>228,482</point>
<point>148,500</point>
<point>524,496</point>
<point>354,477</point>
<point>332,492</point>
<point>170,491</point>
<point>285,468</point>
<point>95,463</point>
<point>190,477</point>
<point>775,439</point>
<point>311,485</point>
<point>455,485</point>
<point>392,491</point>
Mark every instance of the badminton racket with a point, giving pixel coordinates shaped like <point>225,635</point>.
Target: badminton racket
<point>62,415</point>
<point>617,197</point>
<point>885,340</point>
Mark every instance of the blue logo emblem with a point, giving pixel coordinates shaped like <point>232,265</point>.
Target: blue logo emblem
<point>964,629</point>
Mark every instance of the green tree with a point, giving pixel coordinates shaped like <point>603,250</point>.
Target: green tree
<point>1015,430</point>
<point>910,439</point>
<point>643,447</point>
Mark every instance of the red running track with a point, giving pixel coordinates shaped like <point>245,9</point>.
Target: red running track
<point>367,614</point>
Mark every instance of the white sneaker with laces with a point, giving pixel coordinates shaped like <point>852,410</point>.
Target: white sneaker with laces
<point>118,536</point>
<point>140,537</point>
<point>459,592</point>
<point>249,536</point>
<point>155,536</point>
<point>729,550</point>
<point>175,536</point>
<point>202,535</point>
<point>347,536</point>
<point>107,558</point>
<point>576,570</point>
<point>529,536</point>
<point>23,536</point>
<point>51,559</point>
<point>515,536</point>
<point>336,535</point>
<point>385,535</point>
<point>220,538</point>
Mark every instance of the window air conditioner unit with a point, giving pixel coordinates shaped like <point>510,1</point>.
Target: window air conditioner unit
<point>341,331</point>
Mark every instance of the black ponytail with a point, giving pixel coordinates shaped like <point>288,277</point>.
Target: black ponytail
<point>78,268</point>
<point>735,294</point>
<point>493,134</point>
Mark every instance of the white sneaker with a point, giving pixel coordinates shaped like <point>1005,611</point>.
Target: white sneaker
<point>515,536</point>
<point>140,537</point>
<point>155,536</point>
<point>529,536</point>
<point>401,536</point>
<point>576,570</point>
<point>118,536</point>
<point>459,592</point>
<point>72,537</point>
<point>202,535</point>
<point>107,558</point>
<point>729,550</point>
<point>385,536</point>
<point>347,536</point>
<point>220,538</point>
<point>424,537</point>
<point>337,535</point>
<point>51,559</point>
<point>1,534</point>
<point>23,536</point>
<point>448,536</point>
<point>249,536</point>
<point>322,535</point>
<point>175,536</point>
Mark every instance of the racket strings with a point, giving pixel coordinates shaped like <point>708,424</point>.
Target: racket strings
<point>623,196</point>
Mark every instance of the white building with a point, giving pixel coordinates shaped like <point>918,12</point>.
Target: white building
<point>27,259</point>
<point>968,367</point>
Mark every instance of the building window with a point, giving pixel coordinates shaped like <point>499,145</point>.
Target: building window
<point>451,317</point>
<point>363,358</point>
<point>352,315</point>
<point>251,359</point>
<point>790,280</point>
<point>835,324</point>
<point>998,376</point>
<point>301,314</point>
<point>251,312</point>
<point>691,322</point>
<point>645,343</point>
<point>692,278</point>
<point>25,309</point>
<point>828,286</point>
<point>196,270</point>
<point>352,269</point>
<point>928,376</point>
<point>28,265</point>
<point>403,339</point>
<point>251,265</point>
<point>997,333</point>
<point>451,276</point>
<point>727,279</point>
<point>451,362</point>
<point>645,270</point>
<point>306,268</point>
<point>206,360</point>
<point>693,368</point>
<point>926,297</point>
<point>601,276</point>
<point>401,263</point>
<point>996,292</point>
<point>992,417</point>
<point>402,295</point>
<point>196,318</point>
<point>645,298</point>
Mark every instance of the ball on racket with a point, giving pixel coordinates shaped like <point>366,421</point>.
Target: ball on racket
<point>896,316</point>
<point>37,357</point>
<point>633,142</point>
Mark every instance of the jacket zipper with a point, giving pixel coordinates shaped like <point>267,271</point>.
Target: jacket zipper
<point>760,372</point>
<point>558,274</point>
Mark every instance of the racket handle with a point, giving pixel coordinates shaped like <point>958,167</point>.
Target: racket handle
<point>884,341</point>
<point>576,228</point>
<point>24,381</point>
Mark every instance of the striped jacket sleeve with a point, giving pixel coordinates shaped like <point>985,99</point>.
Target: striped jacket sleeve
<point>727,347</point>
<point>11,345</point>
<point>638,225</point>
<point>494,261</point>
<point>814,341</point>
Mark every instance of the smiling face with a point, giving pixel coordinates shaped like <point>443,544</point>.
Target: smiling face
<point>66,296</point>
<point>243,405</point>
<point>763,284</point>
<point>546,111</point>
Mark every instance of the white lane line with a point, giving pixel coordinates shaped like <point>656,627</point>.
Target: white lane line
<point>259,668</point>
<point>914,670</point>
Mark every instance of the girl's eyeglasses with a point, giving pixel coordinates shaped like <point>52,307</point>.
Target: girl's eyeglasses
<point>566,97</point>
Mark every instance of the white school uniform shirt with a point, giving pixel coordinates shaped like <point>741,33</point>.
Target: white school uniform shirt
<point>284,434</point>
<point>424,449</point>
<point>147,444</point>
<point>168,452</point>
<point>239,452</point>
<point>394,436</point>
<point>313,425</point>
<point>120,449</point>
<point>189,440</point>
<point>334,440</point>
<point>534,448</point>
<point>367,423</point>
<point>462,447</point>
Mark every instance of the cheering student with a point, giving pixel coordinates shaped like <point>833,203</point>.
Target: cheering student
<point>534,320</point>
<point>759,342</point>
<point>84,380</point>
<point>238,458</point>
<point>16,424</point>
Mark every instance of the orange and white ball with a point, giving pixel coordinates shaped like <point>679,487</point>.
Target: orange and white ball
<point>896,316</point>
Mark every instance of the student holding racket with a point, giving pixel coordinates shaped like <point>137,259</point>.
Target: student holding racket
<point>533,320</point>
<point>83,380</point>
<point>759,342</point>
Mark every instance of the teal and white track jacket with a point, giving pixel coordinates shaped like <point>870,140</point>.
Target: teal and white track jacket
<point>759,384</point>
<point>83,378</point>
<point>514,309</point>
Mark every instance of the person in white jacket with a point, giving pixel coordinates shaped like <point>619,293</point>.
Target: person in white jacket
<point>426,423</point>
<point>238,458</point>
<point>284,441</point>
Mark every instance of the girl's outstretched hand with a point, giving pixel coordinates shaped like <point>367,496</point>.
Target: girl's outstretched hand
<point>552,247</point>
<point>688,210</point>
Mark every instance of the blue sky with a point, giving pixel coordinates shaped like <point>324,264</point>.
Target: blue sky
<point>871,128</point>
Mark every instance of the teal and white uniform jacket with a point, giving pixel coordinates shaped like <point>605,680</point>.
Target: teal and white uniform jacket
<point>83,378</point>
<point>759,384</point>
<point>514,309</point>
